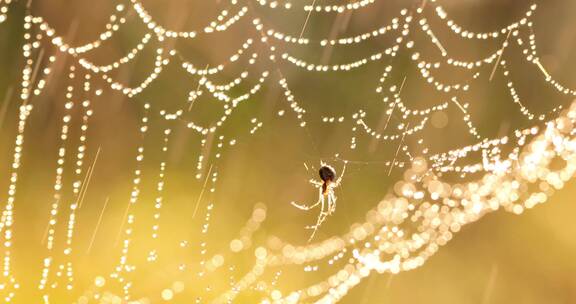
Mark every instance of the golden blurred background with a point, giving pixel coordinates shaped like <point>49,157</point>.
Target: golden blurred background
<point>502,258</point>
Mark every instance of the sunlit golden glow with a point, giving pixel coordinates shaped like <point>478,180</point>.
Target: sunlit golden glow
<point>402,232</point>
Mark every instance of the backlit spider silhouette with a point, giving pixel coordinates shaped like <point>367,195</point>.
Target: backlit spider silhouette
<point>326,196</point>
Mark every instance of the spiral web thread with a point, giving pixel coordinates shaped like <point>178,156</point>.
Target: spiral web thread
<point>399,234</point>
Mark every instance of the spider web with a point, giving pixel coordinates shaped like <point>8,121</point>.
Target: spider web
<point>255,105</point>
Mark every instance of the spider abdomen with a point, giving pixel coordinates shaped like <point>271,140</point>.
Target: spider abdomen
<point>327,174</point>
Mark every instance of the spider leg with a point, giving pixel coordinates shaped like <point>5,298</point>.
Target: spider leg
<point>315,183</point>
<point>319,221</point>
<point>306,208</point>
<point>321,217</point>
<point>331,202</point>
<point>339,180</point>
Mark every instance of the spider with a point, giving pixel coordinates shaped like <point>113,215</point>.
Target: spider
<point>326,196</point>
